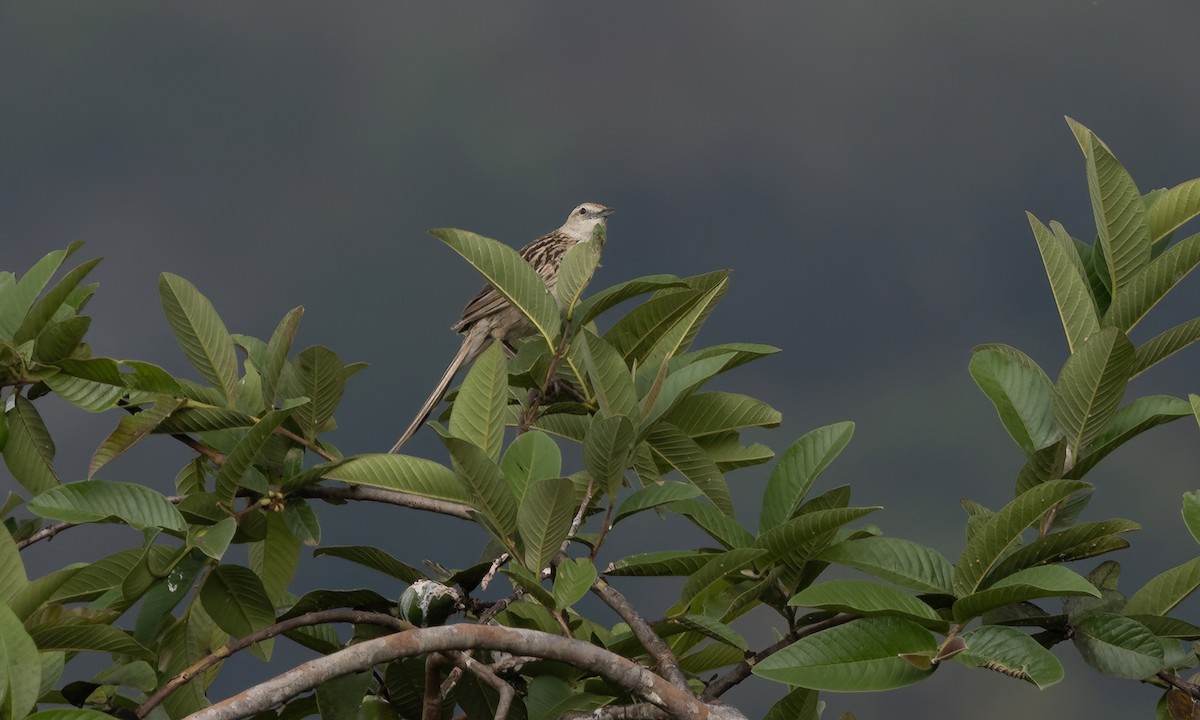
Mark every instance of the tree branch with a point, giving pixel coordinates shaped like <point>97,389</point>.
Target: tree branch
<point>741,671</point>
<point>626,674</point>
<point>664,659</point>
<point>358,617</point>
<point>1190,689</point>
<point>45,533</point>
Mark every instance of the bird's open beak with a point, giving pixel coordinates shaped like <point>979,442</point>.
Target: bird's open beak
<point>606,212</point>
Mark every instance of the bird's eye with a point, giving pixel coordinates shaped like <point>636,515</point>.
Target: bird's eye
<point>583,211</point>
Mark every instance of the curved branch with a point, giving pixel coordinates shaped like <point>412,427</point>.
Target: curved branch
<point>626,674</point>
<point>45,533</point>
<point>742,670</point>
<point>390,497</point>
<point>664,659</point>
<point>1190,689</point>
<point>321,617</point>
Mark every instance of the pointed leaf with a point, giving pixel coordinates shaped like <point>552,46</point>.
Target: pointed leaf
<point>903,562</point>
<point>863,597</point>
<point>29,451</point>
<point>714,572</point>
<point>18,297</point>
<point>681,453</point>
<point>1129,422</point>
<point>1117,646</point>
<point>531,457</point>
<point>1021,392</point>
<point>606,450</point>
<point>609,375</point>
<point>103,501</point>
<point>1028,584</point>
<point>714,629</point>
<point>578,265</point>
<point>234,597</point>
<point>677,386</point>
<point>96,638</point>
<point>1073,543</point>
<point>572,580</point>
<point>1150,284</point>
<point>375,559</point>
<point>713,413</point>
<point>591,307</point>
<point>1191,513</point>
<point>246,451</point>
<point>315,374</point>
<point>860,656</point>
<point>484,487</point>
<point>544,519</point>
<point>797,540</point>
<point>510,274</point>
<point>58,340</point>
<point>1069,283</point>
<point>658,564</point>
<point>653,496</point>
<point>276,354</point>
<point>130,430</point>
<point>41,313</point>
<point>798,468</point>
<point>1163,345</point>
<point>200,333</point>
<point>20,670</point>
<point>987,548</point>
<point>400,472</point>
<point>1091,386</point>
<point>478,414</point>
<point>721,526</point>
<point>1165,590</point>
<point>799,704</point>
<point>1008,650</point>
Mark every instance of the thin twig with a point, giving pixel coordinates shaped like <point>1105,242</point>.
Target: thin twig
<point>741,671</point>
<point>527,419</point>
<point>310,445</point>
<point>464,661</point>
<point>664,659</point>
<point>627,675</point>
<point>45,533</point>
<point>358,617</point>
<point>216,457</point>
<point>1190,689</point>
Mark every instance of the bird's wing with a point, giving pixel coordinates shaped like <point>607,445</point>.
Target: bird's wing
<point>544,254</point>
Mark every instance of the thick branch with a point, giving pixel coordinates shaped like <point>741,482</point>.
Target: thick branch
<point>742,670</point>
<point>626,674</point>
<point>1183,686</point>
<point>358,617</point>
<point>664,659</point>
<point>390,497</point>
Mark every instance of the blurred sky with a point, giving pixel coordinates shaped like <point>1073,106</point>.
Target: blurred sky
<point>863,167</point>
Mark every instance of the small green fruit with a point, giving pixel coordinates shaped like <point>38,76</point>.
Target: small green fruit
<point>426,603</point>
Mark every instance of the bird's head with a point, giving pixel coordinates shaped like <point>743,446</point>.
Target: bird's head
<point>585,218</point>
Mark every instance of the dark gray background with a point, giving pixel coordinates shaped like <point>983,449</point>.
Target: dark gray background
<point>863,167</point>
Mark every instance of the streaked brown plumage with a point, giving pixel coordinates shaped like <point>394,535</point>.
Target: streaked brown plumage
<point>490,317</point>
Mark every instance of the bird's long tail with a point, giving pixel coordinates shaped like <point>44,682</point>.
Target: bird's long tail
<point>471,347</point>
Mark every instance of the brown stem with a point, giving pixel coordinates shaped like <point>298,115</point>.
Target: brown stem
<point>741,671</point>
<point>640,711</point>
<point>310,445</point>
<point>555,360</point>
<point>625,674</point>
<point>431,703</point>
<point>358,617</point>
<point>45,533</point>
<point>664,659</point>
<point>216,457</point>
<point>1190,689</point>
<point>390,497</point>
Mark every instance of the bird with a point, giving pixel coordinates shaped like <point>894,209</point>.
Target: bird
<point>490,316</point>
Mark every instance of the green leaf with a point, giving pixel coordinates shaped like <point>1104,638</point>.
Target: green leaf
<point>903,562</point>
<point>1028,584</point>
<point>1129,422</point>
<point>317,375</point>
<point>130,430</point>
<point>531,584</point>
<point>863,597</point>
<point>609,376</point>
<point>1171,209</point>
<point>1091,386</point>
<point>713,413</point>
<point>721,526</point>
<point>989,545</point>
<point>727,451</point>
<point>198,418</point>
<point>531,457</point>
<point>1117,646</point>
<point>1124,236</point>
<point>798,468</point>
<point>105,501</point>
<point>1163,345</point>
<point>243,455</point>
<point>340,697</point>
<point>1073,543</point>
<point>20,670</point>
<point>511,275</point>
<point>1069,283</point>
<point>799,704</point>
<point>1151,284</point>
<point>860,656</point>
<point>213,540</point>
<point>1191,513</point>
<point>711,657</point>
<point>677,386</point>
<point>674,338</point>
<point>1012,652</point>
<point>606,450</point>
<point>714,571</point>
<point>403,473</point>
<point>659,564</point>
<point>235,598</point>
<point>714,629</point>
<point>681,453</point>
<point>316,600</point>
<point>96,638</point>
<point>484,486</point>
<point>60,339</point>
<point>591,307</point>
<point>551,698</point>
<point>572,580</point>
<point>796,541</point>
<point>200,333</point>
<point>375,559</point>
<point>276,354</point>
<point>41,313</point>
<point>18,298</point>
<point>1021,392</point>
<point>275,558</point>
<point>94,384</point>
<point>478,414</point>
<point>578,265</point>
<point>70,714</point>
<point>1165,590</point>
<point>29,451</point>
<point>653,496</point>
<point>544,519</point>
<point>13,579</point>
